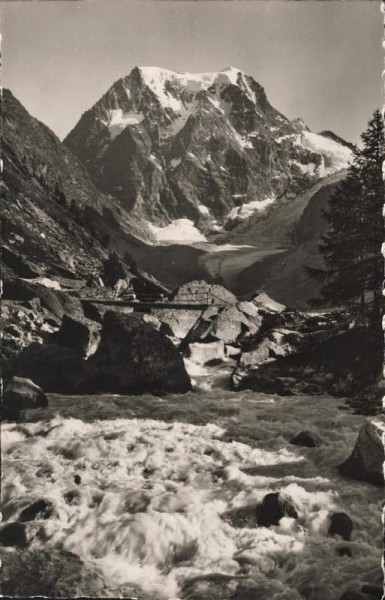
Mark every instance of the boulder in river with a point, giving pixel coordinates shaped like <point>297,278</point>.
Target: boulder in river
<point>21,393</point>
<point>341,524</point>
<point>203,353</point>
<point>273,507</point>
<point>135,358</point>
<point>80,334</point>
<point>307,439</point>
<point>16,534</point>
<point>41,509</point>
<point>366,461</point>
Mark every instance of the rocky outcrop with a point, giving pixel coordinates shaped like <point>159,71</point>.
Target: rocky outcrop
<point>135,358</point>
<point>366,461</point>
<point>22,324</point>
<point>82,335</point>
<point>52,213</point>
<point>275,344</point>
<point>53,367</point>
<point>273,507</point>
<point>55,301</point>
<point>19,394</point>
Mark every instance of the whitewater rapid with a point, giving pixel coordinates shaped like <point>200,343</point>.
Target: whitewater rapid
<point>157,484</point>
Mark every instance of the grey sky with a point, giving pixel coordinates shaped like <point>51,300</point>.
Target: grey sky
<point>319,60</point>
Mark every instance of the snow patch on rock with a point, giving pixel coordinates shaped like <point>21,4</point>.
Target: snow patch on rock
<point>118,120</point>
<point>180,231</point>
<point>249,208</point>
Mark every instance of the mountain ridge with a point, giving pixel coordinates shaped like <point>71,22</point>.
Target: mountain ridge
<point>174,145</point>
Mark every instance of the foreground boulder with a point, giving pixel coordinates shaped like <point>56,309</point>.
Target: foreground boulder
<point>366,461</point>
<point>21,393</point>
<point>306,439</point>
<point>82,335</point>
<point>273,507</point>
<point>16,534</point>
<point>55,368</point>
<point>135,358</point>
<point>341,524</point>
<point>41,509</point>
<point>52,572</point>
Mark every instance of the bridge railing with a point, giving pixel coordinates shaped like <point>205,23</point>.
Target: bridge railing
<point>207,298</point>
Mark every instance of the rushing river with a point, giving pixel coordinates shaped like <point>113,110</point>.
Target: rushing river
<point>159,475</point>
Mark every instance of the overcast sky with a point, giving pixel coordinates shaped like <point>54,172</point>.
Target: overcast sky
<point>319,60</point>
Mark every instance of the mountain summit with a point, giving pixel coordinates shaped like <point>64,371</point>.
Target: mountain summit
<point>208,147</point>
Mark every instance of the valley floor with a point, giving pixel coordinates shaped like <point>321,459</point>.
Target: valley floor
<point>160,482</point>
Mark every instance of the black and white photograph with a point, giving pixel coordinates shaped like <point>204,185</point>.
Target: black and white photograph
<point>192,299</point>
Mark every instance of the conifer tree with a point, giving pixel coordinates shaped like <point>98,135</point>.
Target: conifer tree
<point>351,244</point>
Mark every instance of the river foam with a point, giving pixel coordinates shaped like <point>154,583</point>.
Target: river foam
<point>150,511</point>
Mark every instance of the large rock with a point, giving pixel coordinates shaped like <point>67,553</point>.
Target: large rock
<point>16,534</point>
<point>135,358</point>
<point>22,324</point>
<point>82,335</point>
<point>178,322</point>
<point>19,264</point>
<point>263,301</point>
<point>55,301</point>
<point>366,461</point>
<point>202,292</point>
<point>229,324</point>
<point>41,509</point>
<point>203,353</point>
<point>49,572</point>
<point>307,439</point>
<point>232,324</point>
<point>341,524</point>
<point>21,393</point>
<point>55,368</point>
<point>273,507</point>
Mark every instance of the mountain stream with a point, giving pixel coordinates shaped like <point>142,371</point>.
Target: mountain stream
<point>159,477</point>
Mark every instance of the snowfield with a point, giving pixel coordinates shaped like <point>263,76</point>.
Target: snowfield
<point>180,231</point>
<point>337,156</point>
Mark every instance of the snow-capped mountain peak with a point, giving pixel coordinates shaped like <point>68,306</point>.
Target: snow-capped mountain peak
<point>199,146</point>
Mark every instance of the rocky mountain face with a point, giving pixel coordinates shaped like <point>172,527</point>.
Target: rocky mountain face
<point>51,211</point>
<point>206,147</point>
